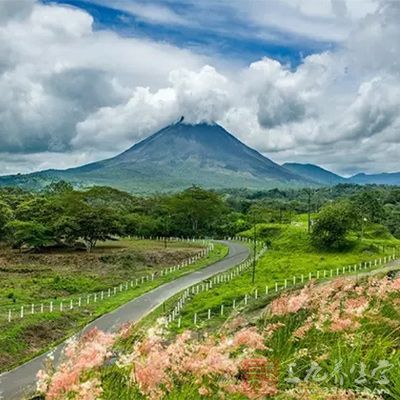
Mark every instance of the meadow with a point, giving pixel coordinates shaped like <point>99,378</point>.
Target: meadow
<point>290,253</point>
<point>62,277</point>
<point>337,340</point>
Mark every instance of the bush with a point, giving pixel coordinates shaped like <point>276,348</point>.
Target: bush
<point>332,225</point>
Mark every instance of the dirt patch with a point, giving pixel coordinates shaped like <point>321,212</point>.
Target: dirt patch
<point>37,336</point>
<point>5,361</point>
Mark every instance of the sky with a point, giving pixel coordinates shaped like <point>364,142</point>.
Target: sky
<point>310,81</point>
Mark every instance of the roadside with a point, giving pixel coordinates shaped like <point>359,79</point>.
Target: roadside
<point>20,381</point>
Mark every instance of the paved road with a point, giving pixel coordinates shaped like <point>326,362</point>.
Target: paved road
<point>14,385</point>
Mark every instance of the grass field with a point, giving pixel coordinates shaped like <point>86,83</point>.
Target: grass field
<point>62,276</point>
<point>337,341</point>
<point>329,341</point>
<point>290,253</point>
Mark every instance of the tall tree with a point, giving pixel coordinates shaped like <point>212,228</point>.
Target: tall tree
<point>333,223</point>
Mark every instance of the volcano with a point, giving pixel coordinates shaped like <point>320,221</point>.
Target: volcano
<point>177,156</point>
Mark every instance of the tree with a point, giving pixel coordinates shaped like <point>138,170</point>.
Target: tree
<point>367,209</point>
<point>96,224</point>
<point>59,187</point>
<point>140,225</point>
<point>39,209</point>
<point>332,225</point>
<point>196,211</point>
<point>29,233</point>
<point>6,215</point>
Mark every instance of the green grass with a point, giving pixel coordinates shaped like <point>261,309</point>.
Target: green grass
<point>58,273</point>
<point>25,338</point>
<point>290,253</point>
<point>338,357</point>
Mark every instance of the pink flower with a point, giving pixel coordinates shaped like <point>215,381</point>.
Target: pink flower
<point>42,383</point>
<point>250,338</point>
<point>89,390</point>
<point>151,373</point>
<point>356,306</point>
<point>87,353</point>
<point>395,285</point>
<point>290,304</point>
<point>299,333</point>
<point>343,324</point>
<point>203,391</point>
<point>271,328</point>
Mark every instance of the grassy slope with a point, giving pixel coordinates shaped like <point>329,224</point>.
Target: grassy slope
<point>290,253</point>
<point>347,364</point>
<point>25,338</point>
<point>59,273</point>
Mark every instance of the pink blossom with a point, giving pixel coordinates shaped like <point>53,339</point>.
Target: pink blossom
<point>395,285</point>
<point>343,324</point>
<point>250,338</point>
<point>299,333</point>
<point>271,328</point>
<point>203,391</point>
<point>356,306</point>
<point>89,390</point>
<point>87,353</point>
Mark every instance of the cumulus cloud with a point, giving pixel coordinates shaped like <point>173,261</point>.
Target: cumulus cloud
<point>56,70</point>
<point>71,90</point>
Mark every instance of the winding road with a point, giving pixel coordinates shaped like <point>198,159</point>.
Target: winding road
<point>20,382</point>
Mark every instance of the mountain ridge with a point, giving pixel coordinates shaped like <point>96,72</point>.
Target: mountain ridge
<point>180,155</point>
<point>173,158</point>
<point>315,173</point>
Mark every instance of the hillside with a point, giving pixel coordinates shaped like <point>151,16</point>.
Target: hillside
<point>174,158</point>
<point>378,179</point>
<point>315,173</point>
<point>297,340</point>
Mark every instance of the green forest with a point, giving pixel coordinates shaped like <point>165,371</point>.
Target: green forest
<point>62,216</point>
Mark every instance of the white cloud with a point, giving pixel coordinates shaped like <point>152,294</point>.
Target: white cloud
<point>328,20</point>
<point>69,90</point>
<point>56,71</point>
<point>154,13</point>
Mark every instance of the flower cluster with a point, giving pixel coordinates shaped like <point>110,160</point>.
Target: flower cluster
<point>85,354</point>
<point>238,362</point>
<point>335,306</point>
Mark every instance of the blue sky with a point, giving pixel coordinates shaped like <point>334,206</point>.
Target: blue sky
<point>221,30</point>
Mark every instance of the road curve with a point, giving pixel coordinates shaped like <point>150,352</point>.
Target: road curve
<point>19,382</point>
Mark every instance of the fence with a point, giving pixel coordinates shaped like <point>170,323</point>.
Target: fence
<point>63,305</point>
<point>208,284</point>
<point>295,281</point>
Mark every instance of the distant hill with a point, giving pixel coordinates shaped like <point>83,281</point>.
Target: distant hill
<point>378,179</point>
<point>315,173</point>
<point>172,159</point>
